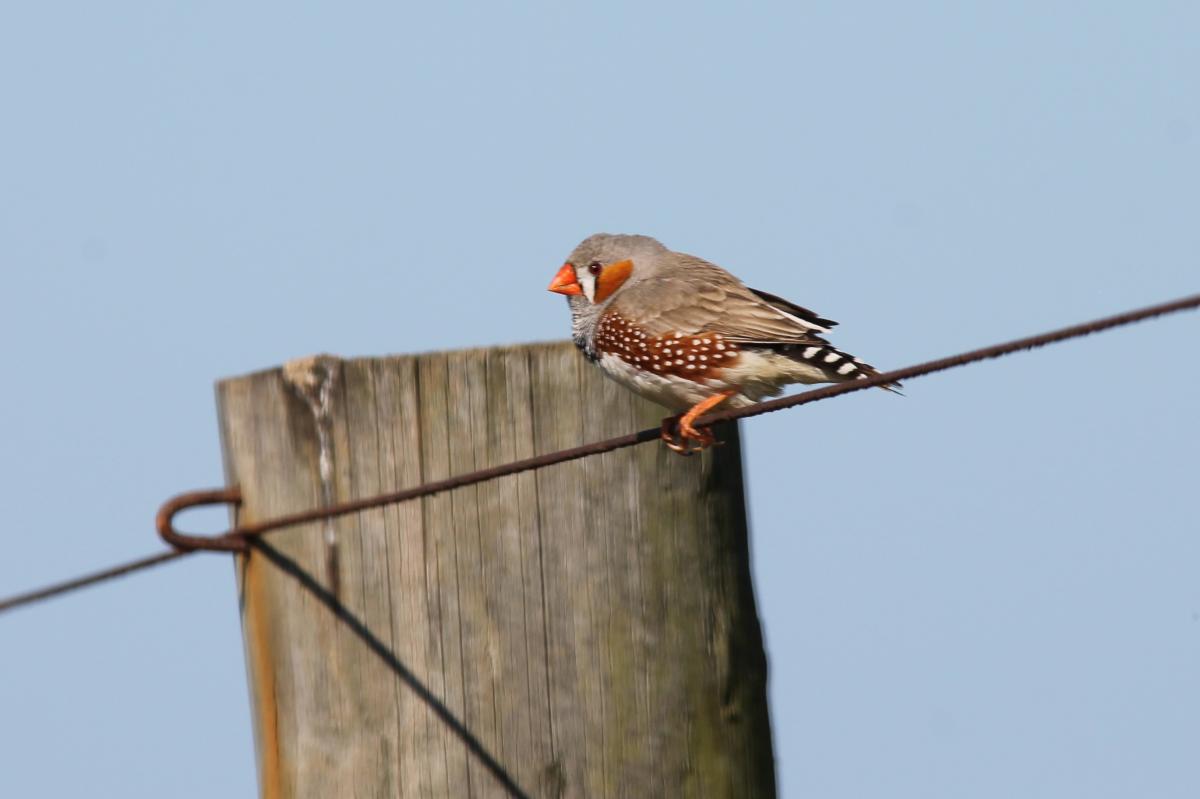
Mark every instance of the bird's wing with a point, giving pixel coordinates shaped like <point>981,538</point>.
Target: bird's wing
<point>696,296</point>
<point>791,308</point>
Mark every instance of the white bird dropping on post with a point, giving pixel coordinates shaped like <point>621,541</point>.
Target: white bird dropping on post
<point>313,379</point>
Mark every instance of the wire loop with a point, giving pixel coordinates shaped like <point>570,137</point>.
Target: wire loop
<point>229,541</point>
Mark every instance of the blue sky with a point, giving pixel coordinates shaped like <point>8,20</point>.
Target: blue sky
<point>987,588</point>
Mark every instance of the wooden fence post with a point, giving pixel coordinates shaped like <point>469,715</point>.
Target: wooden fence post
<point>591,625</point>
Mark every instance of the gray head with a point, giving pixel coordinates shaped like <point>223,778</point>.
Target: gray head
<point>598,269</point>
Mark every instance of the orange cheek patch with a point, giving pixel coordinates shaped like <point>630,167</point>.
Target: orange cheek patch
<point>611,278</point>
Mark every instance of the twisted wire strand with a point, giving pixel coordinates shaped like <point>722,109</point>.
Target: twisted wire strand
<point>236,538</point>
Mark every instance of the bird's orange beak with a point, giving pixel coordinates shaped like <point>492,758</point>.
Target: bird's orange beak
<point>564,281</point>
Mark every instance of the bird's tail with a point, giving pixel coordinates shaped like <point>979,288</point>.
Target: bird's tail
<point>838,366</point>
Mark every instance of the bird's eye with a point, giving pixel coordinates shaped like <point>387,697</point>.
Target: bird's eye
<point>594,268</point>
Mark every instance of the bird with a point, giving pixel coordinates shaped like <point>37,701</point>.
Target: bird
<point>689,335</point>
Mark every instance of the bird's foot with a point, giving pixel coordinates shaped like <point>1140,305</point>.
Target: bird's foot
<point>671,439</point>
<point>690,438</point>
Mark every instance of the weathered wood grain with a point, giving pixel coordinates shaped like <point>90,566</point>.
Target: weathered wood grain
<point>592,624</point>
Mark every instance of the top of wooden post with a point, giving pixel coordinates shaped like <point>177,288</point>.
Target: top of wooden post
<point>590,624</point>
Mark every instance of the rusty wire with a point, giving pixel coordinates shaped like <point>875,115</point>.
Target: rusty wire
<point>235,539</point>
<point>84,580</point>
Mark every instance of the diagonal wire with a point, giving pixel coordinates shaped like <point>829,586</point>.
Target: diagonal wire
<point>84,580</point>
<point>356,625</point>
<point>235,539</point>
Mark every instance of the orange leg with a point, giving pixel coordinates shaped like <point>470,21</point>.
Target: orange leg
<point>687,430</point>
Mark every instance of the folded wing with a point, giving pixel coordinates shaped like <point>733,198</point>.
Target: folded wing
<point>701,297</point>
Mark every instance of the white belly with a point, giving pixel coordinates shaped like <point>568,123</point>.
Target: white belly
<point>755,376</point>
<point>670,391</point>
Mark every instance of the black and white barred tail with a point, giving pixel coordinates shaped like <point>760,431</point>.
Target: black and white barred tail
<point>840,367</point>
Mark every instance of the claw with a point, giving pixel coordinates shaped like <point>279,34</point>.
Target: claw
<point>682,449</point>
